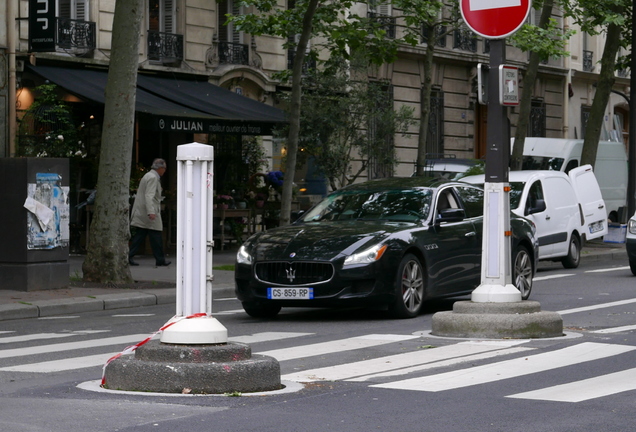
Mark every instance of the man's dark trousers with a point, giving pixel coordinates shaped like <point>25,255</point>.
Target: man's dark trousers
<point>156,243</point>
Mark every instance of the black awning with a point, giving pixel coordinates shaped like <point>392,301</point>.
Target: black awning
<point>175,105</point>
<point>211,99</point>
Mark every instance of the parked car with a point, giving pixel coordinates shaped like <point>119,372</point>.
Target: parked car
<point>561,154</point>
<point>393,242</point>
<point>447,166</point>
<point>630,243</point>
<point>567,209</point>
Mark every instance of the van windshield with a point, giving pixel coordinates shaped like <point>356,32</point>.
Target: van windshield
<point>516,190</point>
<point>542,163</point>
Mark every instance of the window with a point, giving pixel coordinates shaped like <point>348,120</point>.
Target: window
<point>380,13</point>
<point>473,200</point>
<point>227,32</point>
<point>161,16</point>
<point>435,137</point>
<point>585,115</point>
<point>380,134</point>
<point>537,124</point>
<point>73,9</point>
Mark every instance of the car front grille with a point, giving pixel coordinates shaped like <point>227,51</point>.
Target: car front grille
<point>294,272</point>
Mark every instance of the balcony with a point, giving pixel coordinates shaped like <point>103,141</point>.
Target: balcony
<point>75,36</point>
<point>233,53</point>
<point>166,48</point>
<point>386,23</point>
<point>309,64</point>
<point>588,61</point>
<point>465,40</point>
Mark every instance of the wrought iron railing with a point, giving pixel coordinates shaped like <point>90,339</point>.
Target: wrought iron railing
<point>75,34</point>
<point>588,61</point>
<point>440,35</point>
<point>465,40</point>
<point>233,53</point>
<point>165,47</point>
<point>387,23</point>
<point>310,62</point>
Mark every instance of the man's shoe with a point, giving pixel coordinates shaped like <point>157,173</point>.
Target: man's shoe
<point>132,263</point>
<point>164,264</point>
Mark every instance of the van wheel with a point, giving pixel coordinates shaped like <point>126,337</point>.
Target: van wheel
<point>573,259</point>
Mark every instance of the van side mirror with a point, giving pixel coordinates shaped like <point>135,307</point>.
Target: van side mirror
<point>451,215</point>
<point>539,206</point>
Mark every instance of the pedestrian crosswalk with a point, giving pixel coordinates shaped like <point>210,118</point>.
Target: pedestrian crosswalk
<point>398,362</point>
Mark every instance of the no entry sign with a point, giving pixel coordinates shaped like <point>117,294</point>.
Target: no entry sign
<point>494,19</point>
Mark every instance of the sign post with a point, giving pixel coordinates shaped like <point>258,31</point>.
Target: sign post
<point>497,19</point>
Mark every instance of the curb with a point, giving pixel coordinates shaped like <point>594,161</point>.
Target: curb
<point>74,305</point>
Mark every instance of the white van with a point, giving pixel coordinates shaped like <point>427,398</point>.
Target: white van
<point>567,209</point>
<point>564,154</point>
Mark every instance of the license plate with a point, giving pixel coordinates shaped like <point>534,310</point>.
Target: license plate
<point>596,227</point>
<point>290,293</point>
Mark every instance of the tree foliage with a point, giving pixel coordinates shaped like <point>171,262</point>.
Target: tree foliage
<point>612,18</point>
<point>348,121</point>
<point>544,41</point>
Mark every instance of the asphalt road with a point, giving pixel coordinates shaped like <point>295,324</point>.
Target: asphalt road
<point>348,370</point>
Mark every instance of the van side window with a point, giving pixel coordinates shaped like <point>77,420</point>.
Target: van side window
<point>571,165</point>
<point>534,193</point>
<point>473,200</point>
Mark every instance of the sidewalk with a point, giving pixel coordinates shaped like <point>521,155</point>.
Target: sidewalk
<point>159,286</point>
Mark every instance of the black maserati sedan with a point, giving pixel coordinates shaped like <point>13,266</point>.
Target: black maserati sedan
<point>393,242</point>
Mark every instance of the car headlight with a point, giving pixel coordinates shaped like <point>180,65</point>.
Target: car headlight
<point>366,256</point>
<point>243,256</point>
<point>632,226</point>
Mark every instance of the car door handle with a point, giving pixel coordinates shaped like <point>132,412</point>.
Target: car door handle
<point>470,234</point>
<point>600,206</point>
<point>547,218</point>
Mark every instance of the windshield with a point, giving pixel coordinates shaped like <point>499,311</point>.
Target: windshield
<point>407,205</point>
<point>542,163</point>
<point>516,189</point>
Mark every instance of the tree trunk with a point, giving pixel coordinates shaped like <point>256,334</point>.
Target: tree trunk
<point>107,256</point>
<point>294,114</point>
<point>602,95</point>
<point>525,105</point>
<point>425,105</point>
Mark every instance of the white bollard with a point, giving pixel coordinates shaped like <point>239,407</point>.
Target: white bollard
<point>496,260</point>
<point>195,163</point>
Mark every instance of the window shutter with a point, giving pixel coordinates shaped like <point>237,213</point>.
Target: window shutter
<point>237,37</point>
<point>80,9</point>
<point>384,9</point>
<point>168,23</point>
<point>64,9</point>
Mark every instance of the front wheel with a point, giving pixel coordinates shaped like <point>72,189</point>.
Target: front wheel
<point>409,288</point>
<point>632,266</point>
<point>260,310</point>
<point>522,272</point>
<point>573,258</point>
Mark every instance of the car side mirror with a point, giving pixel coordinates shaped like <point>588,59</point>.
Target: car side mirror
<point>451,215</point>
<point>539,206</point>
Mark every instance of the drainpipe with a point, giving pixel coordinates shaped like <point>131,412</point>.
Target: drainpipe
<point>12,75</point>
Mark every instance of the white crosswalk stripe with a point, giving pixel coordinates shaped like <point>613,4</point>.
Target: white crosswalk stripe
<point>591,388</point>
<point>401,363</point>
<point>569,356</point>
<point>341,345</point>
<point>405,369</point>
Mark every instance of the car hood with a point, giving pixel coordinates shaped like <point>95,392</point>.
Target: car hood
<point>321,241</point>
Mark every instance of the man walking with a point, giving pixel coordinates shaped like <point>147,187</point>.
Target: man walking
<point>146,215</point>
